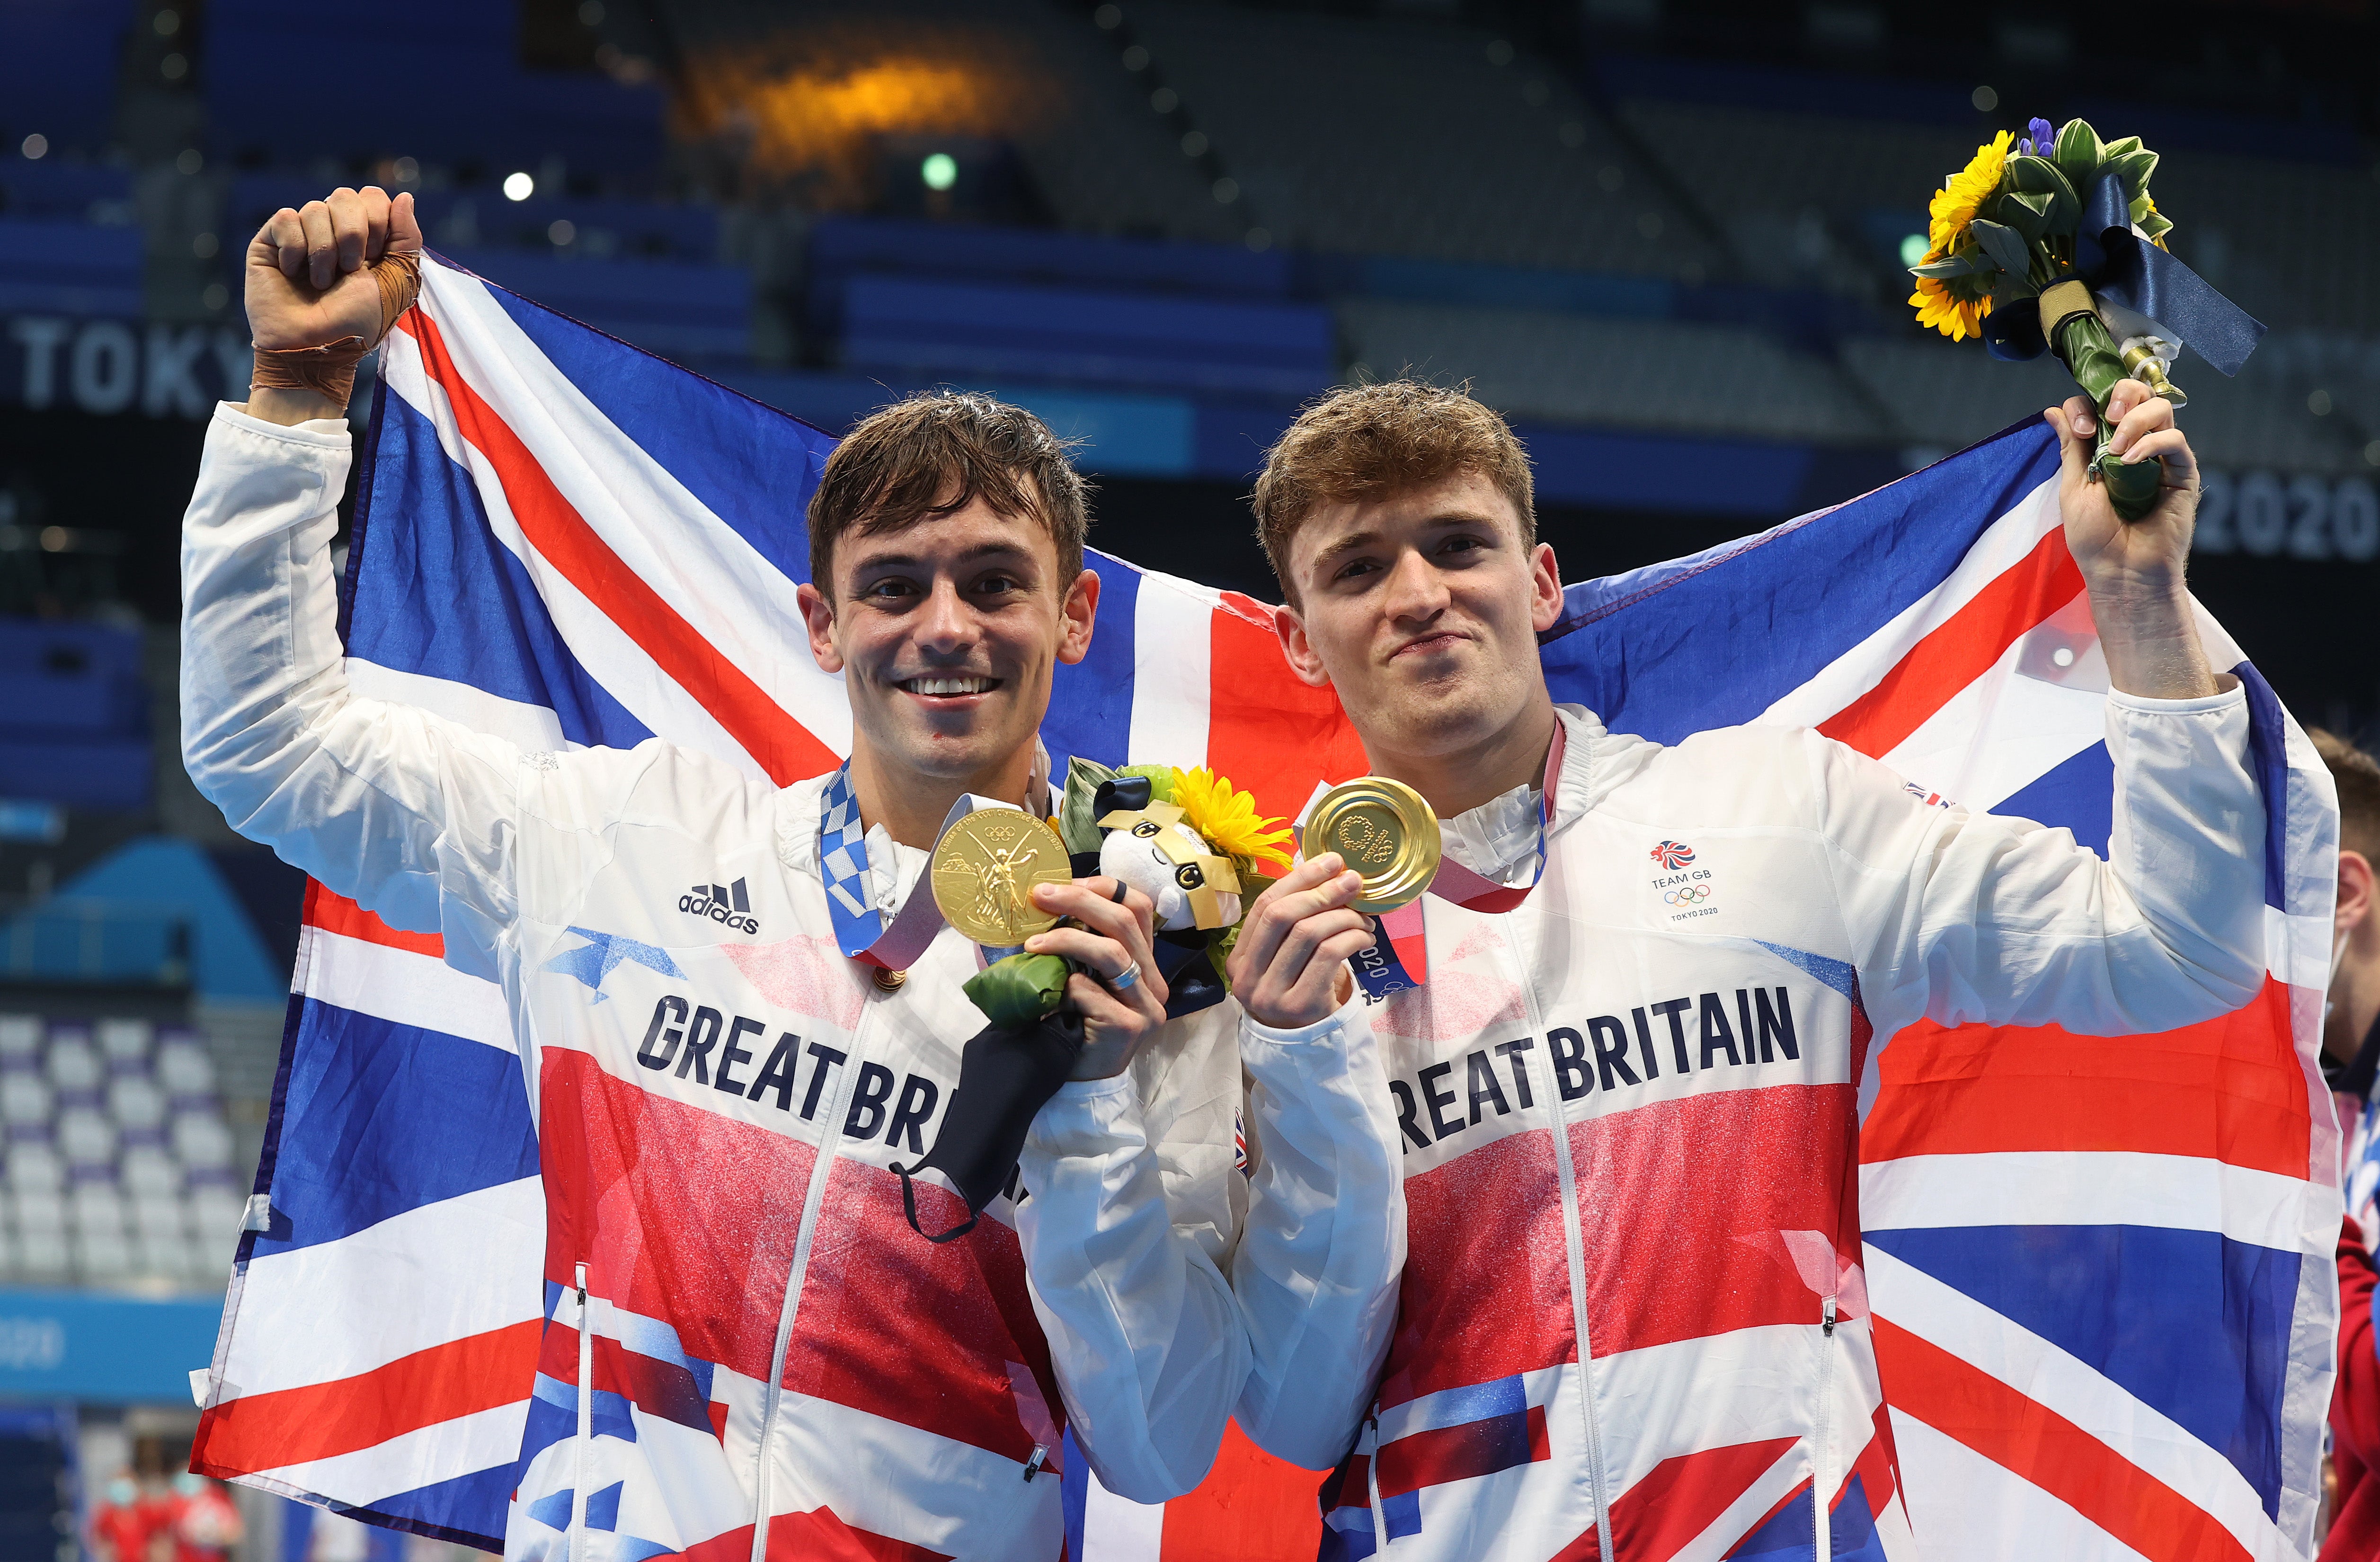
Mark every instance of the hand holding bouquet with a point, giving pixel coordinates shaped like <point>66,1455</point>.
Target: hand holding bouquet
<point>2054,244</point>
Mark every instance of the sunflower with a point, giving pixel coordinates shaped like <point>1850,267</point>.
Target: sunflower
<point>1954,206</point>
<point>1228,819</point>
<point>1945,307</point>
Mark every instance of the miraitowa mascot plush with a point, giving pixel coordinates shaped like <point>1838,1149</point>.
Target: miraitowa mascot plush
<point>1200,851</point>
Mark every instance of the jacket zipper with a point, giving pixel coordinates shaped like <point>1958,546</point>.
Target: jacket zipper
<point>586,1425</point>
<point>1822,1488</point>
<point>1575,1239</point>
<point>821,1169</point>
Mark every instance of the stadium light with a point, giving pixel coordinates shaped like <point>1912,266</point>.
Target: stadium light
<point>35,146</point>
<point>1913,249</point>
<point>519,186</point>
<point>939,170</point>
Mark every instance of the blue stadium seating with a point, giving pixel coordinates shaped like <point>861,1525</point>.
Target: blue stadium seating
<point>83,269</point>
<point>74,720</point>
<point>915,326</point>
<point>482,218</point>
<point>685,311</point>
<point>58,70</point>
<point>55,187</point>
<point>448,88</point>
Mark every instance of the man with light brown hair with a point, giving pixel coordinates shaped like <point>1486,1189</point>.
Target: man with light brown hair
<point>1622,1103</point>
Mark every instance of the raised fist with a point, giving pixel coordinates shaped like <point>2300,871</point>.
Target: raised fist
<point>310,271</point>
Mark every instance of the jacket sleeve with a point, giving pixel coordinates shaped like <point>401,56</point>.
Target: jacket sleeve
<point>1134,1206</point>
<point>412,816</point>
<point>2355,1401</point>
<point>1323,1252</point>
<point>1961,917</point>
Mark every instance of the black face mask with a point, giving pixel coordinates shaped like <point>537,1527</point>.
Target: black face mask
<point>1005,1076</point>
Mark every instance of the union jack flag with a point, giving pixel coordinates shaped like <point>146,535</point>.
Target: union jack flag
<point>2100,1273</point>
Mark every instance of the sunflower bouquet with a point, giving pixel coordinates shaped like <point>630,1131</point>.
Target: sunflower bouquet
<point>1189,841</point>
<point>2051,242</point>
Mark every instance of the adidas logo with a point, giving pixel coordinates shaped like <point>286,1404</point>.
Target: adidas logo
<point>726,904</point>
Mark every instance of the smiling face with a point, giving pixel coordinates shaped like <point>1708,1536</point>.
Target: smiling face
<point>947,632</point>
<point>1423,610</point>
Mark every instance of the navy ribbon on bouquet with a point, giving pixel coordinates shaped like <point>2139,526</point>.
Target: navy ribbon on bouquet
<point>2118,265</point>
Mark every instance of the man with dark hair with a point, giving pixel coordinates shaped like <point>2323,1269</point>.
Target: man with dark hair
<point>1624,1107</point>
<point>748,1351</point>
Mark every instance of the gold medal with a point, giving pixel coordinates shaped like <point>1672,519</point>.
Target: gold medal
<point>984,869</point>
<point>1384,830</point>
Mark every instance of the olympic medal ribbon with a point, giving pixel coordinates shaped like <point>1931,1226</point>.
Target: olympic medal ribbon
<point>1398,958</point>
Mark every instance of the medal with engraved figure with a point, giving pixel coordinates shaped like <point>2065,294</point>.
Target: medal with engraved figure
<point>1383,830</point>
<point>983,872</point>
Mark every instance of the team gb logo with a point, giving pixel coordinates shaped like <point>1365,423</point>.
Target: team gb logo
<point>1673,854</point>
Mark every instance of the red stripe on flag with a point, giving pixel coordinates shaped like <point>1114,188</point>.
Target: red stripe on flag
<point>1682,1497</point>
<point>1963,1402</point>
<point>1268,730</point>
<point>1961,650</point>
<point>780,745</point>
<point>1251,1507</point>
<point>2230,1088</point>
<point>262,1432</point>
<point>333,913</point>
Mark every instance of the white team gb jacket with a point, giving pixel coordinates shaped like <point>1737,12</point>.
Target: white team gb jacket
<point>767,1358</point>
<point>1632,1320</point>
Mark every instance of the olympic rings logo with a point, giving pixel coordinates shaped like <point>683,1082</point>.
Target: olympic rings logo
<point>1687,895</point>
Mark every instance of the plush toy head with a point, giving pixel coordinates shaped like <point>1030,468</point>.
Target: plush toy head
<point>1151,849</point>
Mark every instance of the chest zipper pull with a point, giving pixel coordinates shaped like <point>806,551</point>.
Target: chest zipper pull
<point>1827,1327</point>
<point>1033,1465</point>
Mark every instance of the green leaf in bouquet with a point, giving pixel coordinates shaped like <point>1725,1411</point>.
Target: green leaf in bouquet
<point>2156,225</point>
<point>2004,246</point>
<point>1964,265</point>
<point>2012,291</point>
<point>2038,176</point>
<point>2124,148</point>
<point>2027,211</point>
<point>2078,154</point>
<point>2134,168</point>
<point>1076,824</point>
<point>2139,208</point>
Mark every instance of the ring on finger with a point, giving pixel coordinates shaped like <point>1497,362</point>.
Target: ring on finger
<point>1125,979</point>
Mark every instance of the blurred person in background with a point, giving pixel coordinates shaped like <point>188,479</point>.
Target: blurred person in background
<point>2350,1047</point>
<point>865,1389</point>
<point>1636,1115</point>
<point>122,1521</point>
<point>202,1521</point>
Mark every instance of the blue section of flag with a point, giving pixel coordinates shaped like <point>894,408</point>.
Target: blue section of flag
<point>1475,1401</point>
<point>1090,702</point>
<point>467,1509</point>
<point>377,1119</point>
<point>461,606</point>
<point>2079,795</point>
<point>2268,758</point>
<point>1073,1491</point>
<point>1790,1533</point>
<point>1716,639</point>
<point>1401,1514</point>
<point>2191,1322</point>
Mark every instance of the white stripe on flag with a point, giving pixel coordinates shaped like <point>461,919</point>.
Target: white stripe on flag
<point>2021,720</point>
<point>2002,546</point>
<point>1173,651</point>
<point>483,1440</point>
<point>1970,1509</point>
<point>2066,1385</point>
<point>405,989</point>
<point>316,1314</point>
<point>2085,1188</point>
<point>532,728</point>
<point>1118,1529</point>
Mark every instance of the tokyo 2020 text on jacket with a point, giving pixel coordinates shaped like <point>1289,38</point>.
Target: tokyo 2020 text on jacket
<point>1626,1116</point>
<point>779,1360</point>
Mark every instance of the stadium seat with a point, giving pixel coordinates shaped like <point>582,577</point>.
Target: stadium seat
<point>138,1107</point>
<point>201,1140</point>
<point>185,1070</point>
<point>21,1041</point>
<point>35,1169</point>
<point>37,1209</point>
<point>123,1041</point>
<point>25,1103</point>
<point>54,189</point>
<point>63,268</point>
<point>73,1064</point>
<point>87,1140</point>
<point>147,1172</point>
